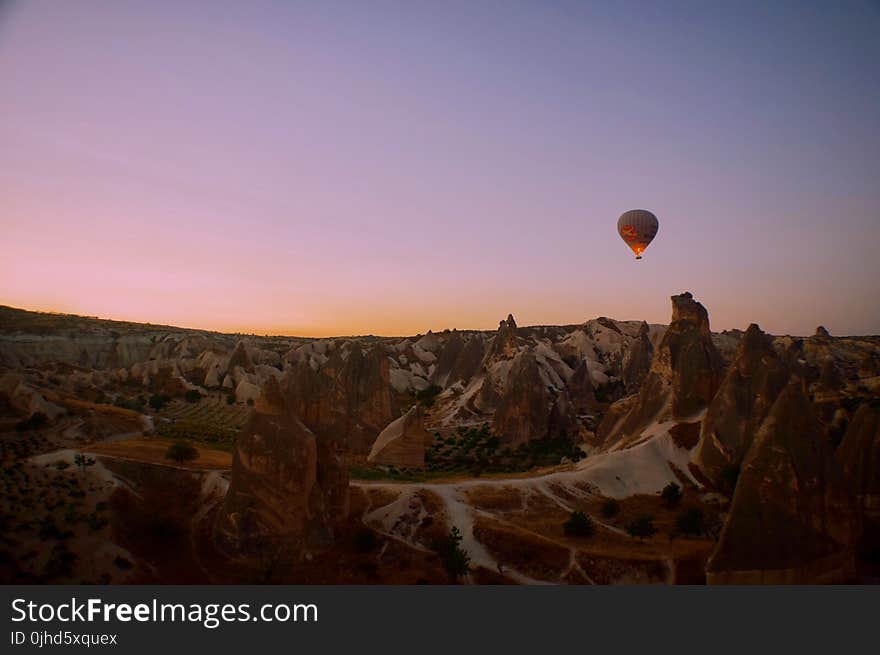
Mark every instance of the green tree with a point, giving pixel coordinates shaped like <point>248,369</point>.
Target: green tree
<point>181,451</point>
<point>729,477</point>
<point>641,527</point>
<point>82,461</point>
<point>690,522</point>
<point>671,494</point>
<point>579,525</point>
<point>36,421</point>
<point>426,396</point>
<point>158,401</point>
<point>455,560</point>
<point>610,508</point>
<point>192,396</point>
<point>365,541</point>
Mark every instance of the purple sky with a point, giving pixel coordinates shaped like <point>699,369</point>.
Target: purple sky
<point>326,168</point>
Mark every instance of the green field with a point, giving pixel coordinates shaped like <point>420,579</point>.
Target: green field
<point>210,421</point>
<point>475,451</point>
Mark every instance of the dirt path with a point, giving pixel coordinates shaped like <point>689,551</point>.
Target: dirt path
<point>152,451</point>
<point>460,513</point>
<point>612,474</point>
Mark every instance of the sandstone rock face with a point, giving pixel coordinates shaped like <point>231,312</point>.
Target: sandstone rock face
<point>100,351</point>
<point>528,409</point>
<point>524,410</point>
<point>288,489</point>
<point>684,376</point>
<point>446,361</point>
<point>859,458</point>
<point>637,361</point>
<point>467,363</point>
<point>403,442</point>
<point>563,418</point>
<point>830,379</point>
<point>745,397</point>
<point>240,357</point>
<point>580,389</point>
<point>869,365</point>
<point>504,345</point>
<point>24,400</point>
<point>246,391</point>
<point>688,352</point>
<point>790,517</point>
<point>430,342</point>
<point>348,399</point>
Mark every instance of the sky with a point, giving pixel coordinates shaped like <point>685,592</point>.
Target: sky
<point>321,168</point>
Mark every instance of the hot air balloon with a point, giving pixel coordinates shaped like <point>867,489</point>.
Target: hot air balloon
<point>637,228</point>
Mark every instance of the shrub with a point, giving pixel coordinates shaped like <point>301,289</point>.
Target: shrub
<point>250,402</point>
<point>579,525</point>
<point>82,461</point>
<point>671,494</point>
<point>690,522</point>
<point>158,401</point>
<point>641,527</point>
<point>96,522</point>
<point>135,404</point>
<point>36,421</point>
<point>365,540</point>
<point>47,529</point>
<point>230,399</point>
<point>610,508</point>
<point>729,477</point>
<point>192,396</point>
<point>123,564</point>
<point>426,396</point>
<point>181,451</point>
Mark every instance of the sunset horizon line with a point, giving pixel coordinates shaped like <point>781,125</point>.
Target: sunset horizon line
<point>282,333</point>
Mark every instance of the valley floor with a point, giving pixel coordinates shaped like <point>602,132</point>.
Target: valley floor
<point>117,510</point>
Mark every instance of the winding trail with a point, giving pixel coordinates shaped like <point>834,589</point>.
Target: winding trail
<point>611,474</point>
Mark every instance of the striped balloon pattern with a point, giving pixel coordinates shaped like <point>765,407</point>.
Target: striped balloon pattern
<point>637,228</point>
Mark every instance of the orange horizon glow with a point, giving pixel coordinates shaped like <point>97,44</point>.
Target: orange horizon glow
<point>414,327</point>
<point>304,331</point>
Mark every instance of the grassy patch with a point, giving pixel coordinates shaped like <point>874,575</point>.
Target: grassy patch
<point>476,451</point>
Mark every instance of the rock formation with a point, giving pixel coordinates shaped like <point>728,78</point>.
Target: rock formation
<point>684,376</point>
<point>467,363</point>
<point>22,399</point>
<point>348,399</point>
<point>240,357</point>
<point>523,409</point>
<point>504,345</point>
<point>830,380</point>
<point>527,409</point>
<point>446,361</point>
<point>859,455</point>
<point>403,442</point>
<point>580,389</point>
<point>637,361</point>
<point>676,403</point>
<point>748,391</point>
<point>288,489</point>
<point>790,518</point>
<point>688,353</point>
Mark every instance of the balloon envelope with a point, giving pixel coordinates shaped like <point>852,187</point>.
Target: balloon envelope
<point>637,228</point>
